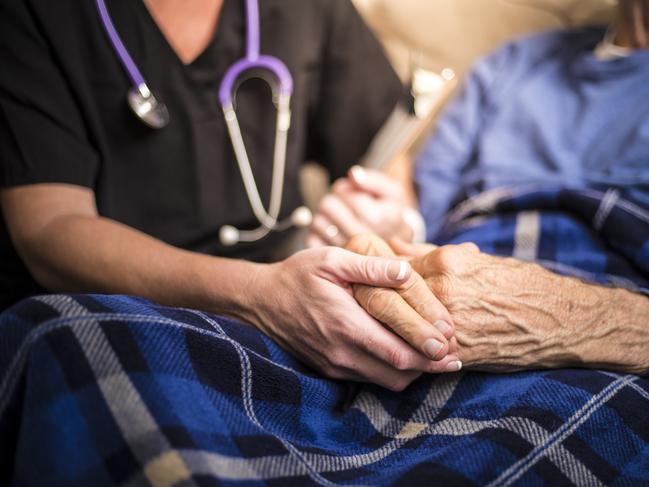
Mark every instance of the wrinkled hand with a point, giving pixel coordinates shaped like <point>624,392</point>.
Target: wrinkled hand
<point>410,309</point>
<point>512,315</point>
<point>367,201</point>
<point>305,303</point>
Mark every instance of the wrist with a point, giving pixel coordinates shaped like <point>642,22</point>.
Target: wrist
<point>231,287</point>
<point>415,225</point>
<point>614,329</point>
<point>252,299</point>
<point>629,317</point>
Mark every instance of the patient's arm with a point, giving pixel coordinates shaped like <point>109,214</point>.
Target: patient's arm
<point>512,315</point>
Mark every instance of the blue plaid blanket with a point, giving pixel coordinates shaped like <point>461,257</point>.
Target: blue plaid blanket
<point>105,390</point>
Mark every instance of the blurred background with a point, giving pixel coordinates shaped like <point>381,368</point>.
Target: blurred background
<point>453,33</point>
<point>440,40</point>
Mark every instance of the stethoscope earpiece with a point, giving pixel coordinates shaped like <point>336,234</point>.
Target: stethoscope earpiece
<point>229,235</point>
<point>301,217</point>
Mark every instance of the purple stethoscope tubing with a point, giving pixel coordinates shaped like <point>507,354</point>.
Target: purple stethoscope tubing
<point>116,41</point>
<point>252,60</point>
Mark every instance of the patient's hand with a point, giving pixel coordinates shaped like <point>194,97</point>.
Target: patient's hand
<point>512,315</point>
<point>365,201</point>
<point>413,312</point>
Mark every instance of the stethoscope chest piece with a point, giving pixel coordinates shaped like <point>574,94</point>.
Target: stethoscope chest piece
<point>143,103</point>
<point>147,108</point>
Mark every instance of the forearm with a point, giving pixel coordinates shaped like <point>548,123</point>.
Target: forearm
<point>79,253</point>
<point>516,315</point>
<point>586,325</point>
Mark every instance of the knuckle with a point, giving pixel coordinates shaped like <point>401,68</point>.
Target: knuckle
<point>327,203</point>
<point>375,214</point>
<point>470,247</point>
<point>365,341</point>
<point>442,288</point>
<point>444,258</point>
<point>369,269</point>
<point>399,384</point>
<point>332,372</point>
<point>330,257</point>
<point>357,203</point>
<point>372,215</point>
<point>380,302</point>
<point>394,386</point>
<point>319,222</point>
<point>399,360</point>
<point>336,361</point>
<point>407,330</point>
<point>412,286</point>
<point>446,255</point>
<point>360,243</point>
<point>338,185</point>
<point>391,187</point>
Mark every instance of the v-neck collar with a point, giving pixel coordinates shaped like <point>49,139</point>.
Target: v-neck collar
<point>220,25</point>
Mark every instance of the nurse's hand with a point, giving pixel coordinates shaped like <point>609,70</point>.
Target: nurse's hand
<point>306,304</point>
<point>412,309</point>
<point>367,201</point>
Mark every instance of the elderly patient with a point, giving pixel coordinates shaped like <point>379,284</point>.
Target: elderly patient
<point>545,157</point>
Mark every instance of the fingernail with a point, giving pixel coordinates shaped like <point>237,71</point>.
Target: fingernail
<point>432,347</point>
<point>359,174</point>
<point>398,270</point>
<point>454,366</point>
<point>442,326</point>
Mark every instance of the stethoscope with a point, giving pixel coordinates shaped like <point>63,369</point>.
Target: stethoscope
<point>154,113</point>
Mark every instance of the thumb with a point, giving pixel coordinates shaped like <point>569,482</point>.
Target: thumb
<point>375,183</point>
<point>372,271</point>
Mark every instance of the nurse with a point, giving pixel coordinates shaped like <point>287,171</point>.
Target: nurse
<point>93,200</point>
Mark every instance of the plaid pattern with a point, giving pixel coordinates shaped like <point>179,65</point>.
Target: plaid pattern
<point>598,235</point>
<point>98,390</point>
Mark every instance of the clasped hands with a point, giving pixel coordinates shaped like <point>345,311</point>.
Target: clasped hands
<point>362,314</point>
<point>461,307</point>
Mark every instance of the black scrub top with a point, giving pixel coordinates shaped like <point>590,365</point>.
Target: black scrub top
<point>64,116</point>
